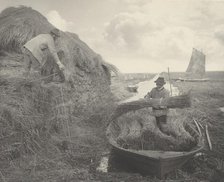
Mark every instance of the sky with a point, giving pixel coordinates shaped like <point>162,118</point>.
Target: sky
<point>143,36</point>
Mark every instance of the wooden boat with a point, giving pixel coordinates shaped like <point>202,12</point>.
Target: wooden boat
<point>196,69</point>
<point>132,88</point>
<point>157,163</point>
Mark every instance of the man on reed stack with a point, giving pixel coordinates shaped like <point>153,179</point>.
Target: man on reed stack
<point>159,112</point>
<point>35,51</point>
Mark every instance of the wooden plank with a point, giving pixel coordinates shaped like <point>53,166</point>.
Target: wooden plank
<point>208,137</point>
<point>200,125</point>
<point>196,123</point>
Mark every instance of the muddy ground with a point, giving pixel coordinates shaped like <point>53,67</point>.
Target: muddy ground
<point>78,158</point>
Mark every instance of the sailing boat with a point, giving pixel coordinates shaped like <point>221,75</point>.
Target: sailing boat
<point>196,69</point>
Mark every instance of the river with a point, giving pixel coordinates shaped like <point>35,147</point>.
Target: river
<point>146,86</point>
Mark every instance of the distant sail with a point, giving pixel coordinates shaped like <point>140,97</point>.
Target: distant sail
<point>196,67</point>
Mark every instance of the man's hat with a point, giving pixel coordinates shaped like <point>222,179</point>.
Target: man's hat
<point>55,32</point>
<point>161,80</point>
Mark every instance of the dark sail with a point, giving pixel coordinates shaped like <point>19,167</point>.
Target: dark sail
<point>196,67</point>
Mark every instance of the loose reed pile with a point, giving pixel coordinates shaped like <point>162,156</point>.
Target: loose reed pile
<point>23,106</point>
<point>139,131</point>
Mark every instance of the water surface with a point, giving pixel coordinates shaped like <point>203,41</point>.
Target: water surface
<point>146,86</point>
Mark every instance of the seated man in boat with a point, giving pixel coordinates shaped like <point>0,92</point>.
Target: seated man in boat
<point>159,112</point>
<point>34,52</point>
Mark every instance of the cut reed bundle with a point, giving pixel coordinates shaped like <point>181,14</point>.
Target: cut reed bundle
<point>180,101</point>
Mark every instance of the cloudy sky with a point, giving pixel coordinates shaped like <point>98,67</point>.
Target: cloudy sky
<point>141,35</point>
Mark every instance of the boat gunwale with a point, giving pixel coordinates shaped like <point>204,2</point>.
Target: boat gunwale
<point>161,154</point>
<point>156,154</point>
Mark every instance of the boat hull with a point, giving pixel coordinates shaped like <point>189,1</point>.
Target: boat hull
<point>132,88</point>
<point>158,167</point>
<point>150,162</point>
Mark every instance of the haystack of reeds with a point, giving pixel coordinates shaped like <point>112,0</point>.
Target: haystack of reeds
<point>31,113</point>
<point>20,24</point>
<point>91,88</point>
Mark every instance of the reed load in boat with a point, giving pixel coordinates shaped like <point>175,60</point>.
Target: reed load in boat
<point>138,130</point>
<point>143,147</point>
